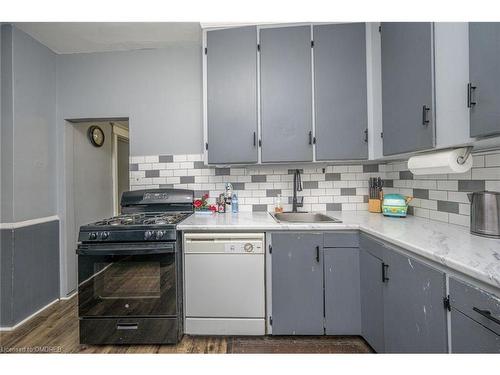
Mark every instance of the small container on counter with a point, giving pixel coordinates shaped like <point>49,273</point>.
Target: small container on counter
<point>279,206</point>
<point>234,204</point>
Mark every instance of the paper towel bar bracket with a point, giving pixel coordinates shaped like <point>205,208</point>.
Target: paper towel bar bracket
<point>462,159</point>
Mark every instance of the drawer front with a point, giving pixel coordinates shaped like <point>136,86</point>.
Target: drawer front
<point>341,239</point>
<point>129,331</point>
<point>467,336</point>
<point>483,307</point>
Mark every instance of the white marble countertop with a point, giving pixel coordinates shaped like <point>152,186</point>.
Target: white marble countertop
<point>448,244</point>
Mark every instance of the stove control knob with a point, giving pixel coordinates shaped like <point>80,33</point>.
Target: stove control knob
<point>148,235</point>
<point>92,236</point>
<point>105,235</point>
<point>160,234</point>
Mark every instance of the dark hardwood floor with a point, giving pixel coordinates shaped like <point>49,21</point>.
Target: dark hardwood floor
<point>55,330</point>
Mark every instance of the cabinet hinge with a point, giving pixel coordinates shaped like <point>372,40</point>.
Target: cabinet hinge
<point>270,320</point>
<point>312,43</point>
<point>446,302</point>
<point>380,29</point>
<point>366,135</point>
<point>314,140</point>
<point>258,47</point>
<point>206,50</point>
<point>260,142</point>
<point>381,134</point>
<point>270,249</point>
<point>206,146</point>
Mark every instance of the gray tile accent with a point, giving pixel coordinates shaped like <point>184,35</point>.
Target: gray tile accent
<point>133,167</point>
<point>259,178</point>
<point>410,210</point>
<point>292,171</point>
<point>166,158</point>
<point>471,185</point>
<point>365,198</point>
<point>273,192</point>
<point>310,184</point>
<point>348,191</point>
<point>222,171</point>
<point>199,165</point>
<point>259,207</point>
<point>238,185</point>
<point>388,183</point>
<point>421,193</point>
<point>200,193</point>
<point>445,206</point>
<point>405,175</point>
<point>166,186</point>
<point>368,168</point>
<point>153,173</point>
<point>332,176</point>
<point>334,206</point>
<point>187,179</point>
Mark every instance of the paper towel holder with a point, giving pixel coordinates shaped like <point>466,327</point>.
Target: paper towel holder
<point>462,159</point>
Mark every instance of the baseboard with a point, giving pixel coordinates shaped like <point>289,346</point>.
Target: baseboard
<point>71,295</point>
<point>25,320</point>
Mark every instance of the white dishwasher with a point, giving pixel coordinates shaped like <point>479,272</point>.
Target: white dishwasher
<point>224,288</point>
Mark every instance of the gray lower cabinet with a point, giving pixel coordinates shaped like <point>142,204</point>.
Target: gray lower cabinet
<point>468,336</point>
<point>414,314</point>
<point>342,300</point>
<point>475,319</point>
<point>407,86</point>
<point>232,95</point>
<point>340,95</point>
<point>286,94</point>
<point>372,299</point>
<point>484,71</point>
<point>297,284</point>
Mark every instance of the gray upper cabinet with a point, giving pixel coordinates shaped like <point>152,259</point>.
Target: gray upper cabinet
<point>407,87</point>
<point>297,284</point>
<point>286,94</point>
<point>414,314</point>
<point>232,95</point>
<point>484,71</point>
<point>340,95</point>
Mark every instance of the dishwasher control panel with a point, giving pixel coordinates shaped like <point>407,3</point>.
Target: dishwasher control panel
<point>243,247</point>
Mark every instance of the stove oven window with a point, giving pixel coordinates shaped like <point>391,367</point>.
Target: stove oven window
<point>138,285</point>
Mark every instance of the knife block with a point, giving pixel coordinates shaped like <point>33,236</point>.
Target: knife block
<point>375,205</point>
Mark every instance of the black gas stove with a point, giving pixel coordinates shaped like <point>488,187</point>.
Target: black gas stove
<point>129,271</point>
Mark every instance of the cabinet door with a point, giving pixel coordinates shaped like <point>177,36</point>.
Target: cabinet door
<point>340,91</point>
<point>297,284</point>
<point>407,86</point>
<point>342,304</point>
<point>372,300</point>
<point>414,314</point>
<point>468,336</point>
<point>484,69</point>
<point>286,94</point>
<point>232,95</point>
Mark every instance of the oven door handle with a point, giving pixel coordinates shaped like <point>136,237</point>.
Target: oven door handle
<point>160,249</point>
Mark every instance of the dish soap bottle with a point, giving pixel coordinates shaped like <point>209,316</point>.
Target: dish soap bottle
<point>279,206</point>
<point>234,204</point>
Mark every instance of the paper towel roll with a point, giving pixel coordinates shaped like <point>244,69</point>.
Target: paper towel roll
<point>441,162</point>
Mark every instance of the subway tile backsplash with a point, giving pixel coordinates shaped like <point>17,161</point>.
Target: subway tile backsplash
<point>325,187</point>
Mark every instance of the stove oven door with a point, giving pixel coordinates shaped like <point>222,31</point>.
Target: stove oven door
<point>119,281</point>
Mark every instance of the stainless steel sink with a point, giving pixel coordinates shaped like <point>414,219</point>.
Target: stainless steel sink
<point>303,217</point>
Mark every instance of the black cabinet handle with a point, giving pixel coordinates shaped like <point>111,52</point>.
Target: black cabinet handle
<point>384,272</point>
<point>486,314</point>
<point>425,120</point>
<point>310,137</point>
<point>470,89</point>
<point>254,139</point>
<point>127,326</point>
<point>317,254</point>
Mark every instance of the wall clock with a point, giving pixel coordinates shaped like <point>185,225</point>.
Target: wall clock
<point>96,136</point>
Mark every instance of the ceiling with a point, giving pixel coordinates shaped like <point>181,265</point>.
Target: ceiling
<point>82,37</point>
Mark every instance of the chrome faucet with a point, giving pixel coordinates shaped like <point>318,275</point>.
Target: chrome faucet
<point>297,186</point>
